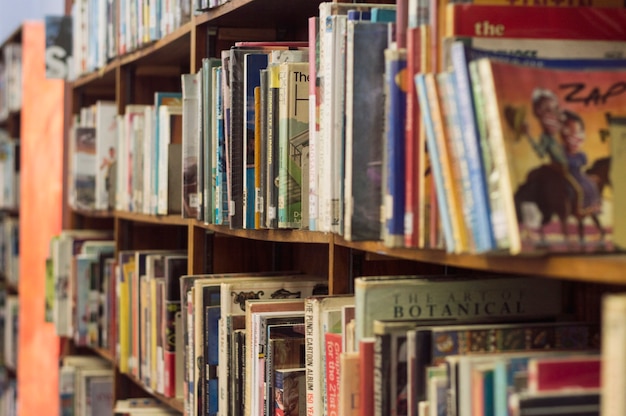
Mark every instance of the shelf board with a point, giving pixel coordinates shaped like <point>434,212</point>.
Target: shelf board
<point>152,219</point>
<point>171,49</point>
<point>174,403</point>
<point>104,75</point>
<point>94,213</point>
<point>259,13</point>
<point>290,236</point>
<point>601,268</point>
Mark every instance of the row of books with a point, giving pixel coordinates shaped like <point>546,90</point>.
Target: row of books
<point>103,30</point>
<point>281,329</point>
<point>85,386</point>
<point>10,80</point>
<point>230,143</point>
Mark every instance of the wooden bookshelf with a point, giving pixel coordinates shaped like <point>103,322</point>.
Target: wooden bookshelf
<point>134,77</point>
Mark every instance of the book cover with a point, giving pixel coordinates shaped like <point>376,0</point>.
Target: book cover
<point>558,403</point>
<point>460,297</point>
<point>617,133</point>
<point>545,137</point>
<point>285,349</point>
<point>272,154</point>
<point>290,392</point>
<point>365,64</point>
<point>366,376</point>
<point>613,335</point>
<point>393,171</point>
<point>293,141</point>
<point>221,173</point>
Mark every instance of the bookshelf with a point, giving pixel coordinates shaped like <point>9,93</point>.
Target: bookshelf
<point>134,77</point>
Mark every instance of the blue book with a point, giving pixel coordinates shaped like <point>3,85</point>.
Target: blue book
<point>393,158</point>
<point>383,15</point>
<point>253,64</point>
<point>221,190</point>
<point>480,215</point>
<point>431,142</point>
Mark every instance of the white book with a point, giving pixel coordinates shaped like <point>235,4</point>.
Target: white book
<point>168,116</point>
<point>149,193</point>
<point>106,153</point>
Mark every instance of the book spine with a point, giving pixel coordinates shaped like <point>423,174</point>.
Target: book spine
<point>313,30</point>
<point>431,136</point>
<point>614,359</point>
<point>272,149</point>
<point>483,234</point>
<point>333,352</point>
<point>314,399</point>
<point>382,380</point>
<point>235,139</point>
<point>506,213</point>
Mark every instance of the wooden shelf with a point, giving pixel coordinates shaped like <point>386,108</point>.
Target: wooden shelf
<point>152,219</point>
<point>170,50</point>
<point>605,268</point>
<point>173,402</point>
<point>105,76</point>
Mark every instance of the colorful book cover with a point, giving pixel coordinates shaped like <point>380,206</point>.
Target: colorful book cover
<point>535,22</point>
<point>546,138</point>
<point>293,141</point>
<point>221,173</point>
<point>365,64</point>
<point>393,156</point>
<point>617,133</point>
<point>209,85</point>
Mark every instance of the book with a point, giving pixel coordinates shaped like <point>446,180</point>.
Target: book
<point>169,199</point>
<point>393,172</point>
<point>570,372</point>
<point>209,120</point>
<point>290,391</point>
<point>349,384</point>
<point>530,185</point>
<point>175,266</point>
<point>191,140</point>
<point>560,403</point>
<point>317,310</point>
<point>366,376</point>
<point>617,133</point>
<point>432,297</point>
<point>252,65</point>
<point>613,307</point>
<point>84,174</point>
<point>293,142</point>
<point>106,144</point>
<point>593,23</point>
<point>365,43</point>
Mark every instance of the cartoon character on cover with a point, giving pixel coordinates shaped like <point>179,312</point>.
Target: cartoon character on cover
<point>573,136</point>
<point>548,112</point>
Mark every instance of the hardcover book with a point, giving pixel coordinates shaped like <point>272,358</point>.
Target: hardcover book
<point>545,135</point>
<point>460,297</point>
<point>366,42</point>
<point>535,22</point>
<point>293,142</point>
<point>192,134</point>
<point>106,154</point>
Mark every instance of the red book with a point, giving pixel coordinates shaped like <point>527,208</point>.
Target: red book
<point>535,22</point>
<point>411,202</point>
<point>333,368</point>
<point>558,373</point>
<point>366,367</point>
